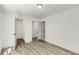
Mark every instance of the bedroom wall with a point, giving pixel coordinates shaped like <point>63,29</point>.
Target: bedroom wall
<point>0,27</point>
<point>62,29</point>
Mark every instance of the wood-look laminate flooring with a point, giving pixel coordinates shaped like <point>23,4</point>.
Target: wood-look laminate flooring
<point>39,48</point>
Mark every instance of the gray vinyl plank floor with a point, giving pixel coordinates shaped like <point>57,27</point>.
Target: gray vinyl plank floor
<point>39,48</point>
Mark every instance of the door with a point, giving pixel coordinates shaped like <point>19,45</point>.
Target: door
<point>8,30</point>
<point>43,30</point>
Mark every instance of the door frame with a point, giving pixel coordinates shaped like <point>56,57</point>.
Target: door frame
<point>15,32</point>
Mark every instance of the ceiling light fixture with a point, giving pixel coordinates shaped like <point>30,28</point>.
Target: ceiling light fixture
<point>39,6</point>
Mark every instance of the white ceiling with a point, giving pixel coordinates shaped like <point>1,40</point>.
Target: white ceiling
<point>32,10</point>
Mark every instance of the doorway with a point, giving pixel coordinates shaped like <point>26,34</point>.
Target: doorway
<point>18,31</point>
<point>43,30</point>
<point>35,31</point>
<point>38,30</point>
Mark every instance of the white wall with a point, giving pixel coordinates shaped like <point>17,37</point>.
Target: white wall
<point>62,29</point>
<point>27,28</point>
<point>0,28</point>
<point>8,29</point>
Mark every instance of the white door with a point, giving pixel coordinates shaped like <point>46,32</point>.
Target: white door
<point>43,30</point>
<point>8,30</point>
